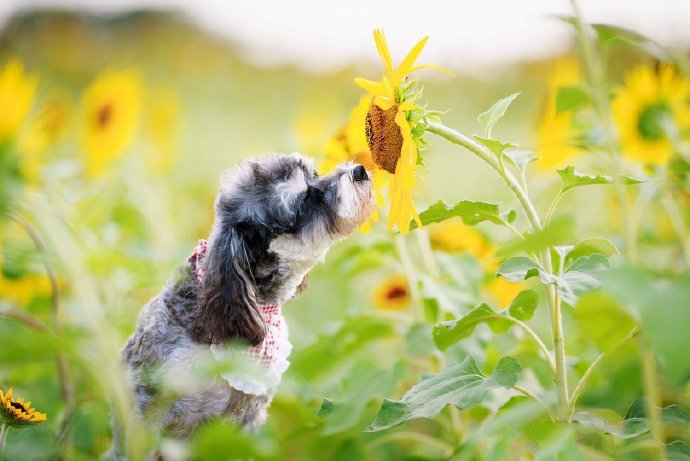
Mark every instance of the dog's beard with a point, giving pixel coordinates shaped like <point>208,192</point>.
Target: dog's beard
<point>357,202</point>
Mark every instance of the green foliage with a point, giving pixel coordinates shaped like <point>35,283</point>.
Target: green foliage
<point>661,306</point>
<point>524,305</point>
<point>571,98</point>
<point>489,118</point>
<point>448,333</point>
<point>462,385</point>
<point>472,213</point>
<point>571,179</point>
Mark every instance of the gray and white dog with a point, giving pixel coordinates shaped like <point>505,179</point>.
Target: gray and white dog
<point>275,219</point>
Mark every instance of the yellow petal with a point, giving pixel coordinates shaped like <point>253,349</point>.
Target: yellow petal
<point>384,52</point>
<point>384,102</point>
<point>430,66</point>
<point>375,88</point>
<point>405,66</point>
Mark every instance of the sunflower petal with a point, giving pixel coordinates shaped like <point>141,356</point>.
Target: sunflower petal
<point>431,66</point>
<point>406,65</point>
<point>384,52</point>
<point>375,88</point>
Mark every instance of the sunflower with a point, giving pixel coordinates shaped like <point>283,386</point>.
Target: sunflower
<point>15,412</point>
<point>111,107</point>
<point>392,128</point>
<point>503,291</point>
<point>650,109</point>
<point>454,236</point>
<point>17,93</point>
<point>349,143</point>
<point>555,136</point>
<point>393,294</point>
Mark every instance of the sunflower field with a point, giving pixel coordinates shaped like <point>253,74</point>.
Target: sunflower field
<point>522,291</point>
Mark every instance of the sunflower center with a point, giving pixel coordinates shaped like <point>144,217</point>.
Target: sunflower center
<point>18,406</point>
<point>105,114</point>
<point>396,292</point>
<point>651,121</point>
<point>383,136</point>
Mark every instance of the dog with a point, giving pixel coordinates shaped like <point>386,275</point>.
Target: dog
<point>275,218</point>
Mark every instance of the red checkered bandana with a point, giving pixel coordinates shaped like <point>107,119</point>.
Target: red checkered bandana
<point>266,353</point>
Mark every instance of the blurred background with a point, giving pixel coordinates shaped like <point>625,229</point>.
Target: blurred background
<point>118,117</point>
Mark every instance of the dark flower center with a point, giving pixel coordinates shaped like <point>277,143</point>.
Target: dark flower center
<point>105,114</point>
<point>652,120</point>
<point>396,292</point>
<point>383,136</point>
<point>18,406</point>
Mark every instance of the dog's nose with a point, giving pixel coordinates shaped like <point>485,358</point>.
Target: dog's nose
<point>359,173</point>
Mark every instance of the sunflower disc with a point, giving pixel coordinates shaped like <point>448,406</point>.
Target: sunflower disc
<point>383,136</point>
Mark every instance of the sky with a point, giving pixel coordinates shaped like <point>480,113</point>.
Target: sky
<point>475,36</point>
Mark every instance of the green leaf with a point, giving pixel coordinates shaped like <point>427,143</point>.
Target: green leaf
<point>571,97</point>
<point>672,414</point>
<point>661,304</point>
<point>462,385</point>
<point>558,232</point>
<point>524,305</point>
<point>603,320</point>
<point>472,213</point>
<point>520,157</point>
<point>590,246</point>
<point>677,451</point>
<point>518,268</point>
<point>581,277</point>
<point>448,333</point>
<point>361,385</point>
<point>627,429</point>
<point>331,350</point>
<point>489,118</point>
<point>497,147</point>
<point>613,34</point>
<point>571,179</point>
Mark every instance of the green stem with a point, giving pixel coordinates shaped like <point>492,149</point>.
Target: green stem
<point>485,154</point>
<point>4,429</point>
<point>653,400</point>
<point>552,207</point>
<point>596,81</point>
<point>537,339</point>
<point>674,215</point>
<point>560,376</point>
<point>527,393</point>
<point>409,271</point>
<point>581,384</point>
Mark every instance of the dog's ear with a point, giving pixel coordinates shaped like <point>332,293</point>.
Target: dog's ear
<point>228,306</point>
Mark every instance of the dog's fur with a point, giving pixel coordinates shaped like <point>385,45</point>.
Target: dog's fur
<point>275,219</point>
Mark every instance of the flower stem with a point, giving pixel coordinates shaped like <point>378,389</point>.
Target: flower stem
<point>537,339</point>
<point>653,400</point>
<point>4,429</point>
<point>560,374</point>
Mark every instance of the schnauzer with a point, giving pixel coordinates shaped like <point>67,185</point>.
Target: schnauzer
<point>275,219</point>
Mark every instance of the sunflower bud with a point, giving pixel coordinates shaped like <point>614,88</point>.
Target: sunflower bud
<point>383,136</point>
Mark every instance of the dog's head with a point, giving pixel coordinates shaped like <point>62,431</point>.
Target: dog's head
<point>275,218</point>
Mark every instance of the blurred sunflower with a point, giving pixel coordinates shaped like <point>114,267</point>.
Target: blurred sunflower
<point>393,294</point>
<point>17,93</point>
<point>650,109</point>
<point>350,143</point>
<point>392,130</point>
<point>454,236</point>
<point>42,131</point>
<point>555,134</point>
<point>15,412</point>
<point>111,106</point>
